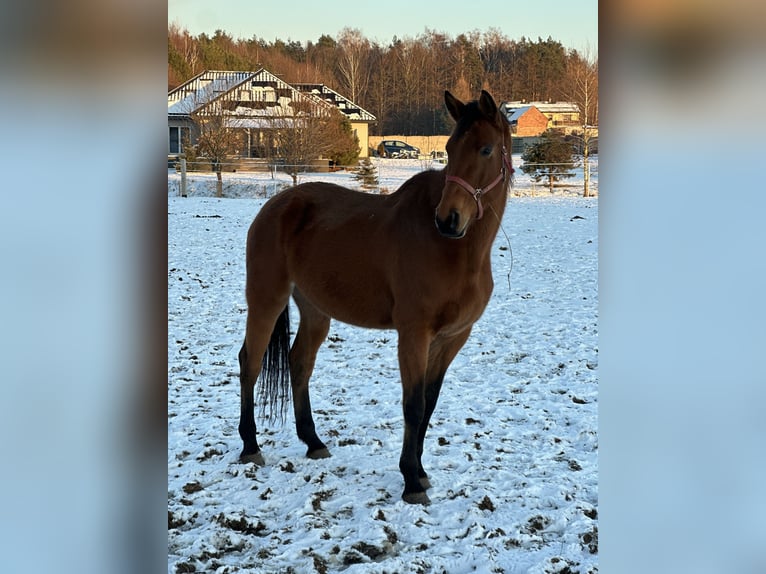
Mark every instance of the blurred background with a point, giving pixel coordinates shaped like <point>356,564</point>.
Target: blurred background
<point>681,284</point>
<point>83,296</point>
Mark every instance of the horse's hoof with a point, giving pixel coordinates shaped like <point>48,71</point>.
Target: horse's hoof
<point>318,453</point>
<point>424,482</point>
<point>416,498</point>
<point>255,457</point>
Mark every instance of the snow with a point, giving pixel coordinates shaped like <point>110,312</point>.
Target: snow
<point>512,451</point>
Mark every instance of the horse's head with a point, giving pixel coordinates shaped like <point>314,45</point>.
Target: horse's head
<point>479,163</point>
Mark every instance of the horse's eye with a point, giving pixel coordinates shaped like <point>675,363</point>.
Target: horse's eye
<point>486,151</point>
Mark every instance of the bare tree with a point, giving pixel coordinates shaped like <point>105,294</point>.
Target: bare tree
<point>216,140</point>
<point>378,91</point>
<point>313,130</point>
<point>353,71</point>
<point>582,88</point>
<point>410,60</point>
<point>581,85</point>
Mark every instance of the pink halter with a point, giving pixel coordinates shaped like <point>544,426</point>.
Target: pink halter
<point>476,193</point>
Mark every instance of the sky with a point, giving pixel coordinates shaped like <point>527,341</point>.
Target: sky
<point>573,23</point>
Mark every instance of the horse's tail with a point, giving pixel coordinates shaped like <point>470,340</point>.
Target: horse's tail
<point>274,385</point>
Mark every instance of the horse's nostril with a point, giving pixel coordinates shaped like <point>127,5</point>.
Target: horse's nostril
<point>453,220</point>
<point>449,226</point>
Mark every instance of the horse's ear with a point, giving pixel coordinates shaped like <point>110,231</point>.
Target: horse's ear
<point>487,105</point>
<point>454,106</point>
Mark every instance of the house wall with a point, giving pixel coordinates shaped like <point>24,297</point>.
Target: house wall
<point>531,123</point>
<point>565,120</point>
<point>362,131</point>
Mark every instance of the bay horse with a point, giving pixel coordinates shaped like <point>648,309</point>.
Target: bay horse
<point>417,260</point>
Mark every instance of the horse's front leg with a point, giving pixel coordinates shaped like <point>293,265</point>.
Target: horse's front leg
<point>441,354</point>
<point>413,359</point>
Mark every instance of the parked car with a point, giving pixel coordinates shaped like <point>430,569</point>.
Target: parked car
<point>397,149</point>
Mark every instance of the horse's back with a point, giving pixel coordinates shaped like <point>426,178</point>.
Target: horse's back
<point>343,248</point>
<point>328,207</point>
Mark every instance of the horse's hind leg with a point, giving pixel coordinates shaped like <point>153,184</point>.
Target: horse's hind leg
<point>313,329</point>
<point>260,326</point>
<point>251,451</point>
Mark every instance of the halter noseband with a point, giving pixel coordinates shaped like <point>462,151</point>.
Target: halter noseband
<point>476,193</point>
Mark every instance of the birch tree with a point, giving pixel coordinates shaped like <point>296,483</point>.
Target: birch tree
<point>353,71</point>
<point>582,88</point>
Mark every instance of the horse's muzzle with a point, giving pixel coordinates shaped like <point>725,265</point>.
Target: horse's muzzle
<point>449,227</point>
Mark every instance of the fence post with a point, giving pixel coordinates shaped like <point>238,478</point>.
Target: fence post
<point>182,189</point>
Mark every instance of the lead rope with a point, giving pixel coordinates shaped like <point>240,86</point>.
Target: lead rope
<point>508,241</point>
<point>499,222</point>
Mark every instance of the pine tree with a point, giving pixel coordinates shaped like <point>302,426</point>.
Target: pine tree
<point>367,174</point>
<point>345,146</point>
<point>551,157</point>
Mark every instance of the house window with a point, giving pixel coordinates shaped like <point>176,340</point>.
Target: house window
<point>175,139</point>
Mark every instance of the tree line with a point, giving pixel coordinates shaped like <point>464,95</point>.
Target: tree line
<point>403,82</point>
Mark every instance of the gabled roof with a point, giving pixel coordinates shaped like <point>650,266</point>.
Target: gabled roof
<point>202,89</point>
<point>514,115</point>
<point>252,98</point>
<point>349,108</point>
<point>545,107</point>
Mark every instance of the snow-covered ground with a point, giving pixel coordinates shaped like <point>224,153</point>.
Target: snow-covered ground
<point>512,452</point>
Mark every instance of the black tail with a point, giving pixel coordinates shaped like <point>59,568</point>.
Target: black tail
<point>274,381</point>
